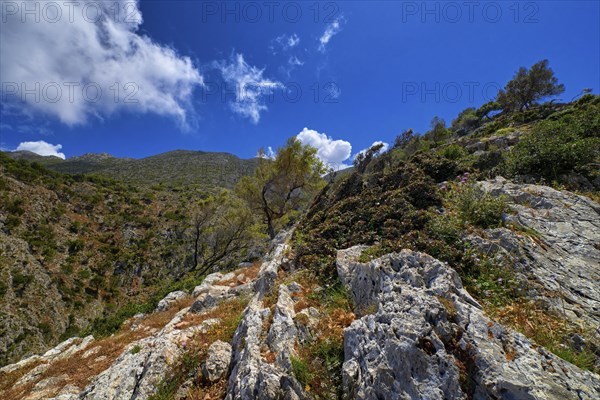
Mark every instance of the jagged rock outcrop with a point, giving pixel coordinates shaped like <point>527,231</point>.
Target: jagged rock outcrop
<point>428,338</point>
<point>561,254</point>
<point>253,377</point>
<point>135,374</point>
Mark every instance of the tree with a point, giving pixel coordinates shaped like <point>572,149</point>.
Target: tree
<point>466,121</point>
<point>222,228</point>
<point>528,86</point>
<point>280,187</point>
<point>485,110</point>
<point>438,130</point>
<point>404,139</point>
<point>362,159</point>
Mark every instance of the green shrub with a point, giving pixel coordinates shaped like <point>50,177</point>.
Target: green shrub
<point>477,207</point>
<point>15,206</point>
<point>556,147</point>
<point>12,221</point>
<point>453,152</point>
<point>504,131</point>
<point>301,370</point>
<point>102,327</point>
<point>135,349</point>
<point>20,280</point>
<point>75,246</point>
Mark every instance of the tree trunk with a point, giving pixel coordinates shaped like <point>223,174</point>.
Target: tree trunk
<point>270,229</point>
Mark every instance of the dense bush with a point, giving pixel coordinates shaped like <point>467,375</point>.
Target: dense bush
<point>567,144</point>
<point>476,207</point>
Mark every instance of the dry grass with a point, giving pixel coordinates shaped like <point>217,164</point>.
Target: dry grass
<point>318,363</point>
<point>546,329</point>
<point>250,273</point>
<point>80,370</point>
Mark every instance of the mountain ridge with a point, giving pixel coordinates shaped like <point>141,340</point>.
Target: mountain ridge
<point>174,167</point>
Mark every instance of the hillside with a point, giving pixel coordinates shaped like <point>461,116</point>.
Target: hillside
<point>179,167</point>
<point>459,264</point>
<point>81,253</point>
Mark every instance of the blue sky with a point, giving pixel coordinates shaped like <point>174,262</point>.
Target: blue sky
<point>352,73</point>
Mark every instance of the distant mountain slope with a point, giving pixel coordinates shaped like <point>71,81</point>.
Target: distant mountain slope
<point>173,168</point>
<point>33,157</point>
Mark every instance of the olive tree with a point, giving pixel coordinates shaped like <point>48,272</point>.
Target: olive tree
<point>283,185</point>
<point>528,86</point>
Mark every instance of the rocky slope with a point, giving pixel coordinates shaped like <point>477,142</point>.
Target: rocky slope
<point>417,334</point>
<point>420,273</point>
<point>429,339</point>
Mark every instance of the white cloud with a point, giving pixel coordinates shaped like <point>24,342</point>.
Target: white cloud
<point>331,30</point>
<point>250,86</point>
<point>332,152</point>
<point>42,148</point>
<point>267,153</point>
<point>384,148</point>
<point>97,44</point>
<point>284,42</point>
<point>293,40</point>
<point>295,61</point>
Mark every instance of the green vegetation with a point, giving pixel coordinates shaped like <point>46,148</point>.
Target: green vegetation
<point>171,169</point>
<point>475,206</point>
<point>568,141</point>
<point>301,370</point>
<point>223,229</point>
<point>528,86</point>
<point>106,326</point>
<point>281,187</point>
<point>135,349</point>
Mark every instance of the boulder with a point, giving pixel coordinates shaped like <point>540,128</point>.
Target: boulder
<point>217,362</point>
<point>169,300</point>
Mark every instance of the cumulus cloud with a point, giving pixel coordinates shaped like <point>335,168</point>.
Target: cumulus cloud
<point>384,148</point>
<point>88,58</point>
<point>332,152</point>
<point>42,148</point>
<point>331,30</point>
<point>251,88</point>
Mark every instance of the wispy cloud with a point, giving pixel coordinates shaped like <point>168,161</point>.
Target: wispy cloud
<point>331,30</point>
<point>295,61</point>
<point>332,152</point>
<point>251,87</point>
<point>42,148</point>
<point>284,42</point>
<point>80,68</point>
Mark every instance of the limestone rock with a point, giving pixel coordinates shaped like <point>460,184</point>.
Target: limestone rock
<point>561,256</point>
<point>430,339</point>
<point>217,362</point>
<point>252,377</point>
<point>169,300</point>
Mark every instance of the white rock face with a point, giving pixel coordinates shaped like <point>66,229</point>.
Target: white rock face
<point>169,300</point>
<point>134,374</point>
<point>429,339</point>
<point>252,377</point>
<point>564,258</point>
<point>217,362</point>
